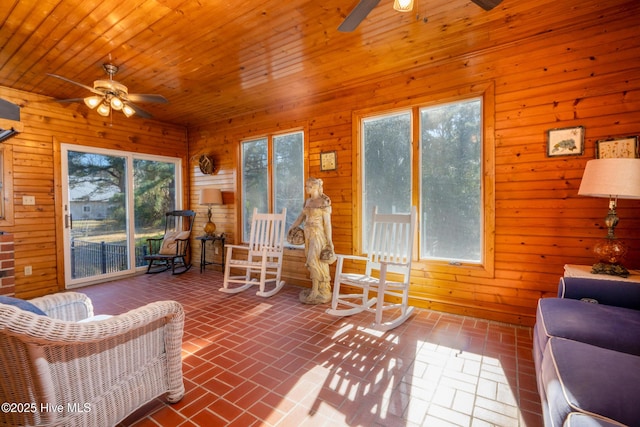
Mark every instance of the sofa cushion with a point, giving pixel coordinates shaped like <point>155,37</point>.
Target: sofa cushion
<point>580,377</point>
<point>576,419</point>
<point>21,304</point>
<point>602,325</point>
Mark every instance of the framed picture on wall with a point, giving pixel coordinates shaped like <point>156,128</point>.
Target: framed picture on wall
<point>328,161</point>
<point>618,148</point>
<point>565,141</point>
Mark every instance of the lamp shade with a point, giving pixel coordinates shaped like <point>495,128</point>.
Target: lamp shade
<point>210,196</point>
<point>93,101</point>
<point>403,5</point>
<point>611,178</point>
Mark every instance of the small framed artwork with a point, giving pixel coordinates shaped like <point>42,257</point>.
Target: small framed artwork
<point>328,161</point>
<point>565,141</point>
<point>618,148</point>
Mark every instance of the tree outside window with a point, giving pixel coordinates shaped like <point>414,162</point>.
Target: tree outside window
<point>275,188</point>
<point>450,180</point>
<point>448,172</point>
<point>387,166</point>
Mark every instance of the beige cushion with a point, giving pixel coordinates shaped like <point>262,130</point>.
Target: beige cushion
<point>169,242</point>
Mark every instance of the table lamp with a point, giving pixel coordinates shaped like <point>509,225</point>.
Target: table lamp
<point>210,197</point>
<point>613,179</point>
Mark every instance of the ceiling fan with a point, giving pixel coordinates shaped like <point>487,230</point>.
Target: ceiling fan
<point>363,8</point>
<point>112,95</point>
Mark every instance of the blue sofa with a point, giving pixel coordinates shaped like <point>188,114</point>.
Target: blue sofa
<point>586,348</point>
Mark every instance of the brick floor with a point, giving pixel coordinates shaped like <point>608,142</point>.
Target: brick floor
<point>251,361</point>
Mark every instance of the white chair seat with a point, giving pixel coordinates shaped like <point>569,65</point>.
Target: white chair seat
<point>255,264</point>
<point>356,279</point>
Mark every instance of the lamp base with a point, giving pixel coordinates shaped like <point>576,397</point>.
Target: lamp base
<point>610,269</point>
<point>210,228</point>
<point>610,250</point>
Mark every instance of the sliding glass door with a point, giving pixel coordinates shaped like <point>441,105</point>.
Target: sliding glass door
<point>113,201</point>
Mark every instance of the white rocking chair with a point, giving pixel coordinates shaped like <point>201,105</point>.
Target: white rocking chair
<point>390,252</point>
<point>263,262</point>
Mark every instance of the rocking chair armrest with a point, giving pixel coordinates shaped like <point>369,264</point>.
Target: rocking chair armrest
<point>352,257</point>
<point>243,247</point>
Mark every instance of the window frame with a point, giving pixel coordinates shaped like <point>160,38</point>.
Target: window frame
<point>6,185</point>
<point>486,93</point>
<point>271,202</point>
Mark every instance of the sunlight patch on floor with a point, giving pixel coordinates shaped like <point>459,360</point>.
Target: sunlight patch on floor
<point>444,386</point>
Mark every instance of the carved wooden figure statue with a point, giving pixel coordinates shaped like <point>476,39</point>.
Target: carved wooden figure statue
<point>318,244</point>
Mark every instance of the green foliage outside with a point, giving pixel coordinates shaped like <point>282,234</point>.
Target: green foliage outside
<point>103,177</point>
<point>450,215</point>
<point>287,176</point>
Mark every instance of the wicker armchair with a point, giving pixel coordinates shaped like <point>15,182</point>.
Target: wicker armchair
<point>55,371</point>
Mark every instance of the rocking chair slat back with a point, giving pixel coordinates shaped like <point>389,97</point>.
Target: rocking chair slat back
<point>179,220</point>
<point>262,264</point>
<point>391,241</point>
<point>267,231</point>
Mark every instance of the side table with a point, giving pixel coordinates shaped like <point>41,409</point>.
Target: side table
<point>573,270</point>
<point>203,250</point>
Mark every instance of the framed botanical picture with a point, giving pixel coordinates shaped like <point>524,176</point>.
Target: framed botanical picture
<point>328,161</point>
<point>617,148</point>
<point>565,141</point>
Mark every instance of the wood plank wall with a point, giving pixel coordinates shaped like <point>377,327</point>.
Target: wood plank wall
<point>584,72</point>
<point>579,71</point>
<point>37,229</point>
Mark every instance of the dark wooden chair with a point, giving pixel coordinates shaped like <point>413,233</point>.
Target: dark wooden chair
<point>172,250</point>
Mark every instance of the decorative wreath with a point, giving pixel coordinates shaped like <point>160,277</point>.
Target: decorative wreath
<point>206,164</point>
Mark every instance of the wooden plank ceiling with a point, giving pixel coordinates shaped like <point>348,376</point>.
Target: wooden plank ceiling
<point>216,59</point>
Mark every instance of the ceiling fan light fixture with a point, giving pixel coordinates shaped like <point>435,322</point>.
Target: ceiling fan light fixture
<point>403,5</point>
<point>104,109</point>
<point>110,95</point>
<point>127,110</point>
<point>116,103</point>
<point>92,101</point>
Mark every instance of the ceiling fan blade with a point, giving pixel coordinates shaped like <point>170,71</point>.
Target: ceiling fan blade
<point>70,100</point>
<point>89,88</point>
<point>487,4</point>
<point>146,97</point>
<point>139,111</point>
<point>360,12</point>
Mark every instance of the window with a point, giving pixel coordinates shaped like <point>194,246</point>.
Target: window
<point>387,166</point>
<point>113,201</point>
<point>270,189</point>
<point>450,186</point>
<point>442,174</point>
